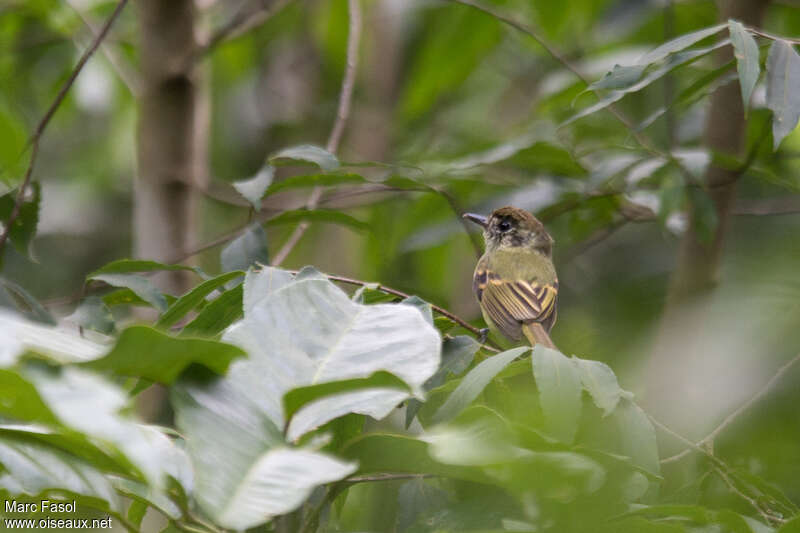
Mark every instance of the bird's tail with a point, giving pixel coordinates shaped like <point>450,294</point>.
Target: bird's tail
<point>536,334</point>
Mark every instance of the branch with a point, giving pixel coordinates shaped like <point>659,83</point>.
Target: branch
<point>240,23</point>
<point>394,292</point>
<point>734,415</point>
<point>342,113</point>
<point>124,69</point>
<point>40,127</point>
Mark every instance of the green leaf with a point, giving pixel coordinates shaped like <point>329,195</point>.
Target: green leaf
<point>747,59</point>
<point>21,401</point>
<point>93,314</point>
<point>474,382</point>
<point>141,286</point>
<point>601,384</point>
<point>619,77</point>
<point>217,315</point>
<point>293,216</point>
<point>705,213</point>
<point>305,154</point>
<point>315,180</point>
<point>637,435</point>
<point>24,228</point>
<point>193,298</point>
<point>147,353</point>
<point>559,384</point>
<point>247,249</point>
<point>457,354</point>
<point>144,496</point>
<point>26,303</point>
<point>678,44</point>
<point>253,189</point>
<point>136,512</point>
<point>125,266</point>
<point>792,526</point>
<point>783,98</point>
<point>615,96</point>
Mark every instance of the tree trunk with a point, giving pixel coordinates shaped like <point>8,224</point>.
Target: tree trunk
<point>168,152</point>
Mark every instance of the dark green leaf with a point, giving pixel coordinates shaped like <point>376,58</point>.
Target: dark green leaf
<point>474,382</point>
<point>136,512</point>
<point>783,98</point>
<point>253,189</point>
<point>217,315</point>
<point>24,228</point>
<point>247,249</point>
<point>140,286</point>
<point>747,59</point>
<point>305,154</point>
<point>147,353</point>
<point>193,298</point>
<point>559,385</point>
<point>125,266</point>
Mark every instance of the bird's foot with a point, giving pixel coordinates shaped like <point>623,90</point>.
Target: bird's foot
<point>483,335</point>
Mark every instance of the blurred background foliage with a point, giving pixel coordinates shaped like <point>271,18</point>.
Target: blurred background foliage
<point>453,98</point>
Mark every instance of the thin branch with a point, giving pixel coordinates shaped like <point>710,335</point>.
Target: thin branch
<point>40,127</point>
<point>394,292</point>
<point>120,64</point>
<point>735,414</point>
<point>240,23</point>
<point>342,113</point>
<point>768,517</point>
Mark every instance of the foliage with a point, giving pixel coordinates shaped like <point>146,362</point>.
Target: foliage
<point>301,407</point>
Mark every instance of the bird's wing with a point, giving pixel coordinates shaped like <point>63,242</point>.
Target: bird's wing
<point>510,303</point>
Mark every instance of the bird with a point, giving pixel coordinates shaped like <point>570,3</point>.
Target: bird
<point>515,280</point>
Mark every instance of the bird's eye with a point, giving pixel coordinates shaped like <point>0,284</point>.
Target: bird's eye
<point>505,225</point>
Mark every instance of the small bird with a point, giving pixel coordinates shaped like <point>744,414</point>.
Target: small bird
<point>515,281</point>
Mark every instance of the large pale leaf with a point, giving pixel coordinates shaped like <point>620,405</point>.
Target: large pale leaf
<point>747,60</point>
<point>261,283</point>
<point>18,335</point>
<point>34,469</point>
<point>783,98</point>
<point>637,435</point>
<point>244,473</point>
<point>559,385</point>
<point>309,332</point>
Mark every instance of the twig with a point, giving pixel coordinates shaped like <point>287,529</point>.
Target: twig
<point>735,414</point>
<point>768,517</point>
<point>124,70</point>
<point>394,292</point>
<point>40,127</point>
<point>241,22</point>
<point>342,113</point>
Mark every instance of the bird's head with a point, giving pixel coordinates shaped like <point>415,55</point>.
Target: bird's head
<point>511,227</point>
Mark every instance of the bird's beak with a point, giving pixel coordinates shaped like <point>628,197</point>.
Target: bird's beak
<point>478,219</point>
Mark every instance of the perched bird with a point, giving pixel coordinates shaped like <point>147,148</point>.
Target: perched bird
<point>515,280</point>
